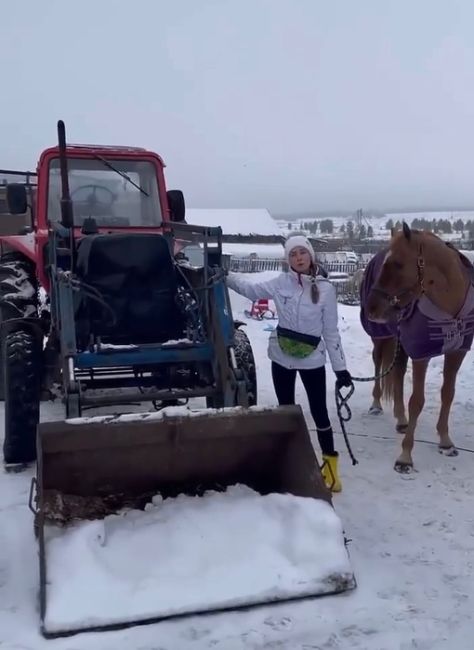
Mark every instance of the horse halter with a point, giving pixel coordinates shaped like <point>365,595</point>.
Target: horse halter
<point>394,300</point>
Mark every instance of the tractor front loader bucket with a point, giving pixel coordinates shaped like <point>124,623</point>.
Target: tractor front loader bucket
<point>92,468</point>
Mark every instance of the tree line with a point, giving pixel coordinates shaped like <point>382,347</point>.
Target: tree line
<point>326,227</point>
<point>444,226</point>
<point>354,232</point>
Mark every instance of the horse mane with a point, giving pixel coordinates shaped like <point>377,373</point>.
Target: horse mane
<point>465,261</point>
<point>428,234</point>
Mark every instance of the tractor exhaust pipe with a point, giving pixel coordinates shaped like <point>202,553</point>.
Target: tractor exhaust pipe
<point>67,217</point>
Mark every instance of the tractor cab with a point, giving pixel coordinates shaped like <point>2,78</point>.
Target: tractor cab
<point>111,232</point>
<point>105,193</point>
<point>110,189</point>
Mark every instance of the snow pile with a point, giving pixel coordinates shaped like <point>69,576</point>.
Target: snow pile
<point>110,347</point>
<point>191,554</point>
<point>166,412</point>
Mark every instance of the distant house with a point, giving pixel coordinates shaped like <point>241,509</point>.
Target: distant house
<point>249,235</point>
<point>236,222</point>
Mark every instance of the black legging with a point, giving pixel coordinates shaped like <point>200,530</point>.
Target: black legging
<point>314,381</point>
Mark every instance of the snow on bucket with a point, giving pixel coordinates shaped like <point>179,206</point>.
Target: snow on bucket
<point>146,517</point>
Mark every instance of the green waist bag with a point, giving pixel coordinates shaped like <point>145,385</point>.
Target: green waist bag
<point>296,344</point>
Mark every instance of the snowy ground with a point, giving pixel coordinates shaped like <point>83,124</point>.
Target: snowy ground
<point>412,543</point>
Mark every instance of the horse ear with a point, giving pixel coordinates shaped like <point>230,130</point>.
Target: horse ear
<point>406,230</point>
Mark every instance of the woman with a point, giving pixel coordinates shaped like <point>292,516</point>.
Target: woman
<point>306,304</point>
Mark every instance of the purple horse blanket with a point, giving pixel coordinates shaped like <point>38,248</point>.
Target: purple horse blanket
<point>425,330</point>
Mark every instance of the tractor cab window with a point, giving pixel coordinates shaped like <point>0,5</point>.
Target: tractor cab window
<point>116,193</point>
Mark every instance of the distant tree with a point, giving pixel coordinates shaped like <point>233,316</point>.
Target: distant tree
<point>370,232</point>
<point>444,225</point>
<point>342,229</point>
<point>362,232</point>
<point>289,226</point>
<point>350,230</point>
<point>389,224</point>
<point>458,225</point>
<point>326,226</point>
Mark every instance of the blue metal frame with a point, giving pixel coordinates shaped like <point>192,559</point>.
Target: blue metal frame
<point>147,357</point>
<point>144,356</point>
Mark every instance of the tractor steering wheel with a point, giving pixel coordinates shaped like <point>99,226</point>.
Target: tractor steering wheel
<point>92,198</point>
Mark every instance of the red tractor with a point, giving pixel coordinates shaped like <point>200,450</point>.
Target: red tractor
<point>94,301</point>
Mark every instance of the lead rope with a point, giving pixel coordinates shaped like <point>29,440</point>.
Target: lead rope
<point>343,409</point>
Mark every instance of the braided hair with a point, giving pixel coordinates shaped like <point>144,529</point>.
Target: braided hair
<point>314,287</point>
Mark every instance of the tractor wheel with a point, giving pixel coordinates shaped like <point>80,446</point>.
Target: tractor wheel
<point>18,292</point>
<point>22,381</point>
<point>246,362</point>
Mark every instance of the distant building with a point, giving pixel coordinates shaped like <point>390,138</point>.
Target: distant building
<point>245,222</point>
<point>247,234</point>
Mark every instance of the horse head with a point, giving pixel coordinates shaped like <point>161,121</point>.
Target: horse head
<point>401,277</point>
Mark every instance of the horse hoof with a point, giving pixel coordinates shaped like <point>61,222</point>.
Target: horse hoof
<point>375,410</point>
<point>401,428</point>
<point>403,468</point>
<point>448,451</point>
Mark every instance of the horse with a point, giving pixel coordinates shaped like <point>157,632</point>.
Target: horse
<point>417,302</point>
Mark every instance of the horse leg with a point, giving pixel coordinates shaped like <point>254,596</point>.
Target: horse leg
<point>376,407</point>
<point>452,364</point>
<point>404,462</point>
<point>399,372</point>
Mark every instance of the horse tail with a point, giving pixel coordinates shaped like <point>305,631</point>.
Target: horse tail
<point>397,364</point>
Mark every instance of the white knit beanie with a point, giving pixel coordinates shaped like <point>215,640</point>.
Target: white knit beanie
<point>298,240</point>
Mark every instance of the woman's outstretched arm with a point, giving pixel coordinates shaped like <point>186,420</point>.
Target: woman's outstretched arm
<point>252,289</point>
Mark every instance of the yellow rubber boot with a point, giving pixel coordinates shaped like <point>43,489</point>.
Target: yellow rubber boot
<point>330,472</point>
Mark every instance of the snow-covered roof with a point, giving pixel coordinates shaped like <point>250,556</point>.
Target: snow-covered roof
<point>262,251</point>
<point>237,221</point>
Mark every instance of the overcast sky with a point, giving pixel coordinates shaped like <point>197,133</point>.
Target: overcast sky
<point>291,105</point>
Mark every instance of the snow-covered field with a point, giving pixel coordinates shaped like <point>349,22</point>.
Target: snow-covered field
<point>412,545</point>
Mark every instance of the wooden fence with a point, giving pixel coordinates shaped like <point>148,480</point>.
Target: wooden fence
<point>245,265</point>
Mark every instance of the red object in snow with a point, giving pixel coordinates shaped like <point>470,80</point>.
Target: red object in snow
<point>261,309</point>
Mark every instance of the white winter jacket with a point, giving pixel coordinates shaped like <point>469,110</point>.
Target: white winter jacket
<point>296,311</point>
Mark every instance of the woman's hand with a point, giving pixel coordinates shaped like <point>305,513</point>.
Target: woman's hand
<point>343,379</point>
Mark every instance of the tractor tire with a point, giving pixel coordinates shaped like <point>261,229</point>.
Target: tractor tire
<point>22,381</point>
<point>246,362</point>
<point>18,293</point>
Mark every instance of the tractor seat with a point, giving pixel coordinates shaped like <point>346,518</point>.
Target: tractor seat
<point>136,278</point>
